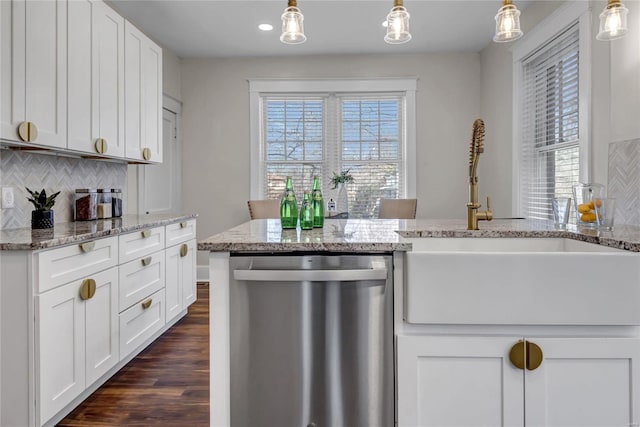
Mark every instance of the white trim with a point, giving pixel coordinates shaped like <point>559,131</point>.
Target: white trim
<point>171,104</point>
<point>567,14</point>
<point>202,274</point>
<point>407,85</point>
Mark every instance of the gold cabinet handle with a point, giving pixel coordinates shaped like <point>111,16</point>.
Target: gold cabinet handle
<point>183,224</point>
<point>516,355</point>
<point>146,153</point>
<point>146,304</point>
<point>526,354</point>
<point>184,250</point>
<point>28,131</point>
<point>534,356</point>
<point>146,233</point>
<point>101,145</point>
<point>87,246</point>
<point>146,261</point>
<point>87,289</point>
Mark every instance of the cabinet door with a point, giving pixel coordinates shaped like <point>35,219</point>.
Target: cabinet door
<point>34,70</point>
<point>173,282</point>
<point>108,78</point>
<point>584,382</point>
<point>101,313</point>
<point>188,274</point>
<point>143,95</point>
<point>81,134</point>
<point>458,381</point>
<point>60,352</point>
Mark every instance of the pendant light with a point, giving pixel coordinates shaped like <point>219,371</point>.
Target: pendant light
<point>507,23</point>
<point>397,24</point>
<point>613,21</point>
<point>292,30</point>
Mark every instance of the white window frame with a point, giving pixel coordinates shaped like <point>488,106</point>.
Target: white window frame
<point>257,87</point>
<point>565,16</point>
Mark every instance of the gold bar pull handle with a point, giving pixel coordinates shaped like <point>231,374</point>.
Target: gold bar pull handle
<point>146,233</point>
<point>516,355</point>
<point>534,356</point>
<point>184,250</point>
<point>146,304</point>
<point>87,246</point>
<point>146,261</point>
<point>87,289</point>
<point>183,224</point>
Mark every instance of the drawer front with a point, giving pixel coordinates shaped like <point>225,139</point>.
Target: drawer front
<point>180,232</point>
<point>62,265</point>
<point>140,322</point>
<point>140,278</point>
<point>141,243</point>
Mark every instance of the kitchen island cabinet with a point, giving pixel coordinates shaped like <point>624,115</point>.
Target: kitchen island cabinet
<point>461,374</point>
<point>78,304</point>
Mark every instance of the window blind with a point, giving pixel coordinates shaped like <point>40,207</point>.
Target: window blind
<point>303,136</point>
<point>550,154</point>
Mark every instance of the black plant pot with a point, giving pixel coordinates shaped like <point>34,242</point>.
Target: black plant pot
<point>41,219</point>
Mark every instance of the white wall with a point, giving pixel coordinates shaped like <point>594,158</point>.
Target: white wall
<point>216,126</point>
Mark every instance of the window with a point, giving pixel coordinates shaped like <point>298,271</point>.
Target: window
<point>307,133</point>
<point>552,125</point>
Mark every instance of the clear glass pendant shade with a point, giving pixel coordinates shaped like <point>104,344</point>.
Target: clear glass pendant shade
<point>507,24</point>
<point>292,29</point>
<point>613,22</point>
<point>398,26</point>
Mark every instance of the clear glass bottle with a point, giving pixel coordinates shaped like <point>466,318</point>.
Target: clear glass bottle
<point>289,206</point>
<point>86,204</point>
<point>306,212</point>
<point>317,203</point>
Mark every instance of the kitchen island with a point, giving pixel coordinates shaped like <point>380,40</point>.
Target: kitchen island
<point>479,365</point>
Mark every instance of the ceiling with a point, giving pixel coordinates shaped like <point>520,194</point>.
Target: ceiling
<point>216,28</point>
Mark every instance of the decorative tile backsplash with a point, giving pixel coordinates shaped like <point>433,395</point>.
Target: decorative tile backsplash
<point>53,173</point>
<point>624,180</point>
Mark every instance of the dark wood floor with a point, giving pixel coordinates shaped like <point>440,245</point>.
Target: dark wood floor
<point>167,384</point>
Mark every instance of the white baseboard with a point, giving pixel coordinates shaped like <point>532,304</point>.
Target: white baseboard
<point>202,274</point>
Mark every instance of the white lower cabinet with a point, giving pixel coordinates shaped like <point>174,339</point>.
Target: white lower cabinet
<point>470,381</point>
<point>76,338</point>
<point>181,277</point>
<point>140,322</point>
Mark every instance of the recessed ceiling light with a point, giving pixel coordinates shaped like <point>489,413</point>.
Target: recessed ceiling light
<point>385,23</point>
<point>265,27</point>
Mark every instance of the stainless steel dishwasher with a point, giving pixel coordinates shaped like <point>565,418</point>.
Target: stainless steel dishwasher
<point>311,341</point>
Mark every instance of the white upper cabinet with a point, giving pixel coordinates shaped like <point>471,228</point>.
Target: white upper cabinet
<point>143,102</point>
<point>34,72</point>
<point>63,80</point>
<point>108,80</point>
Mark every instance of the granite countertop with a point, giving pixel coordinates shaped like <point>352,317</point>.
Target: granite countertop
<point>73,232</point>
<point>384,235</point>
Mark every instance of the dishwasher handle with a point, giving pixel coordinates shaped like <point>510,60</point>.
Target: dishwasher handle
<point>378,273</point>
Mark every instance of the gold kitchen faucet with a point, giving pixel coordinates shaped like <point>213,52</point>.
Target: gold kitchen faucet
<point>476,147</point>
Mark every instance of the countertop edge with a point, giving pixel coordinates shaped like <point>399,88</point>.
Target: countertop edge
<point>41,239</point>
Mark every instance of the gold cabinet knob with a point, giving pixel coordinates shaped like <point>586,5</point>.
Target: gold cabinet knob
<point>146,233</point>
<point>87,246</point>
<point>146,304</point>
<point>516,355</point>
<point>146,261</point>
<point>101,145</point>
<point>146,153</point>
<point>87,289</point>
<point>184,250</point>
<point>534,356</point>
<point>27,131</point>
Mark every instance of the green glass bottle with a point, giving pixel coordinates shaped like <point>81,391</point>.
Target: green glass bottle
<point>306,212</point>
<point>318,204</point>
<point>289,206</point>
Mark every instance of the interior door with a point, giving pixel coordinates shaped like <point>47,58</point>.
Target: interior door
<point>160,184</point>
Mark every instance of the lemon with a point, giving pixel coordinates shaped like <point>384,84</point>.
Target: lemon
<point>588,217</point>
<point>584,208</point>
<point>591,206</point>
<point>598,202</point>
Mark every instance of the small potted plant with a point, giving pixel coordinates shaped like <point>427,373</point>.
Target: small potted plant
<point>42,216</point>
<point>340,182</point>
